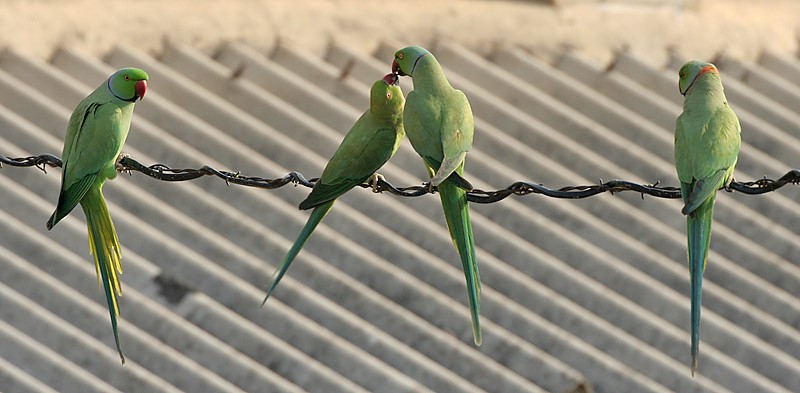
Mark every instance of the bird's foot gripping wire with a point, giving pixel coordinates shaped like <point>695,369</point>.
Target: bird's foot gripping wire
<point>374,182</point>
<point>122,168</point>
<point>429,185</point>
<point>727,185</point>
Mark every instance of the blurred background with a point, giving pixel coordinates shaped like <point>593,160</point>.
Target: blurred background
<point>578,295</point>
<point>699,28</point>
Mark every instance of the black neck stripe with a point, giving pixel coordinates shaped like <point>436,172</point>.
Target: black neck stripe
<point>132,99</point>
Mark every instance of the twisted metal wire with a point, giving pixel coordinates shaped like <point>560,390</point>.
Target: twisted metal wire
<point>165,173</point>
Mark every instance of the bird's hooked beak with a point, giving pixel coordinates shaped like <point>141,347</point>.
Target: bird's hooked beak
<point>396,69</point>
<point>141,88</point>
<point>391,79</point>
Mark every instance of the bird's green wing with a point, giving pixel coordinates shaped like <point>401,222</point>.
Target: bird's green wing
<point>76,124</point>
<point>702,189</point>
<point>709,159</point>
<point>457,132</point>
<point>359,156</point>
<point>78,173</point>
<point>683,157</point>
<point>456,128</point>
<point>718,145</point>
<point>422,118</point>
<point>99,143</point>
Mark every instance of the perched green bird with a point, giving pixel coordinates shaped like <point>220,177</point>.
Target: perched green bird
<point>96,132</point>
<point>440,126</point>
<point>373,140</point>
<point>707,141</point>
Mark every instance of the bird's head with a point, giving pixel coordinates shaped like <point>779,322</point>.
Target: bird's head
<point>405,60</point>
<point>128,84</point>
<point>691,72</point>
<point>386,97</point>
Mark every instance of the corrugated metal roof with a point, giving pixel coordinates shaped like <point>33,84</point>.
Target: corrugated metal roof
<point>586,295</point>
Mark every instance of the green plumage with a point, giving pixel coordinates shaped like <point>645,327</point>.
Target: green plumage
<point>96,132</point>
<point>373,140</point>
<point>707,141</point>
<point>440,126</point>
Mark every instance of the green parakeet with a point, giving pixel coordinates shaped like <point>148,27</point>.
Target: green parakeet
<point>96,132</point>
<point>440,126</point>
<point>707,141</point>
<point>373,140</point>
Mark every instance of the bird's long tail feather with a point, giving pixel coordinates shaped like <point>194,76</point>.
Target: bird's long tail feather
<point>107,253</point>
<point>316,217</point>
<point>456,212</point>
<point>699,235</point>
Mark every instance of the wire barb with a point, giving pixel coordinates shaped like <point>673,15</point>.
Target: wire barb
<point>521,188</point>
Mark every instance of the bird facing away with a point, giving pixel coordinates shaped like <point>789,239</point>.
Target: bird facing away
<point>440,127</point>
<point>707,141</point>
<point>373,140</point>
<point>96,132</point>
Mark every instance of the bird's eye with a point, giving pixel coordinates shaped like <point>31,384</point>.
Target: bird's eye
<point>389,95</point>
<point>127,77</point>
<point>400,56</point>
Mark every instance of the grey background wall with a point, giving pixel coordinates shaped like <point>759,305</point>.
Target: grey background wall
<point>588,295</point>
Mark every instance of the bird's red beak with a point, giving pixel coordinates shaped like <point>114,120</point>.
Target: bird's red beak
<point>391,79</point>
<point>396,69</point>
<point>141,88</point>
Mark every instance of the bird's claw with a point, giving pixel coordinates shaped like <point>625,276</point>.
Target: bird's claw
<point>374,182</point>
<point>118,165</point>
<point>429,185</point>
<point>727,186</point>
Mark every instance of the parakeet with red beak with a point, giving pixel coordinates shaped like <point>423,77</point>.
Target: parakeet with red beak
<point>440,126</point>
<point>373,140</point>
<point>96,132</point>
<point>707,141</point>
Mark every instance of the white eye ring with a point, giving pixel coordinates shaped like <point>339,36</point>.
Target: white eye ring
<point>389,95</point>
<point>400,55</point>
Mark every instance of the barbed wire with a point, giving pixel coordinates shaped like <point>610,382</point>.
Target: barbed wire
<point>165,173</point>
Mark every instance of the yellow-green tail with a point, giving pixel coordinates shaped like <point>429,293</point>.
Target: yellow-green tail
<point>456,212</point>
<point>107,253</point>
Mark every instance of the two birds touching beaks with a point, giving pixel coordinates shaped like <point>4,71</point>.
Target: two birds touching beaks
<point>438,121</point>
